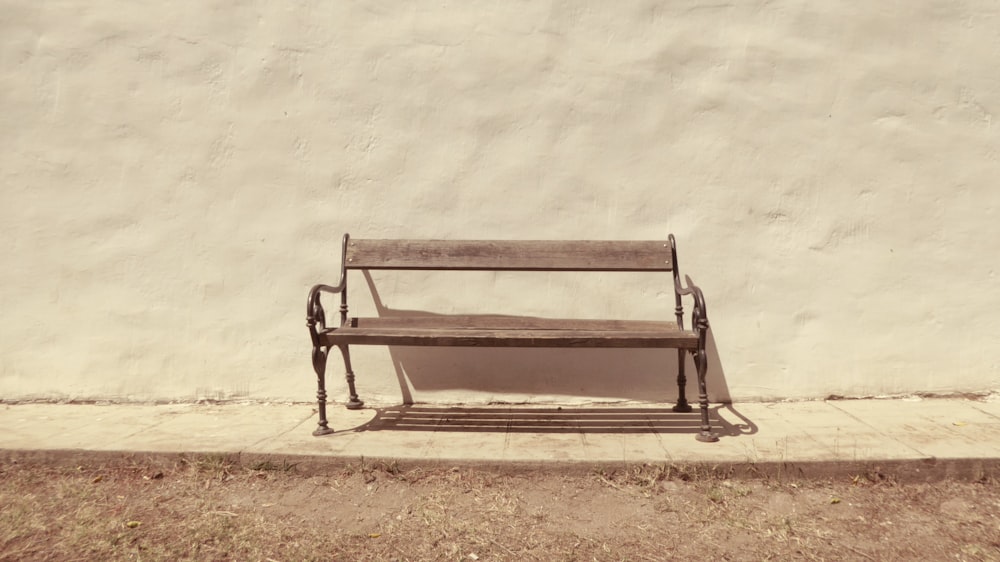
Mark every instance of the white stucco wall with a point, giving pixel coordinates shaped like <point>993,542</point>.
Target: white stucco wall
<point>175,175</point>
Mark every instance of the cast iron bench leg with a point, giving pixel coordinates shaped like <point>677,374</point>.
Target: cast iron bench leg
<point>682,405</point>
<point>320,355</point>
<point>319,365</point>
<point>353,403</point>
<point>701,363</point>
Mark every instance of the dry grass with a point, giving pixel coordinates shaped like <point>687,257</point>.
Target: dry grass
<point>213,508</point>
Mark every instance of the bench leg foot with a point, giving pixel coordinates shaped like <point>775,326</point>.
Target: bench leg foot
<point>323,430</point>
<point>707,437</point>
<point>353,402</point>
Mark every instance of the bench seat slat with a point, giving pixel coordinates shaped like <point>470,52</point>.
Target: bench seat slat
<point>509,255</point>
<point>510,331</point>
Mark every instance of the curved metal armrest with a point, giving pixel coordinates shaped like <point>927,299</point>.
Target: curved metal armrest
<point>314,308</point>
<point>699,315</point>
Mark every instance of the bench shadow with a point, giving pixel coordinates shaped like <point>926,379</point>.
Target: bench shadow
<point>644,375</point>
<point>513,419</point>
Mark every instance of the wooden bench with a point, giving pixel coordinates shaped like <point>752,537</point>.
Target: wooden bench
<point>508,331</point>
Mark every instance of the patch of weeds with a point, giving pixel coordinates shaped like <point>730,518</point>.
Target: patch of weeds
<point>726,490</point>
<point>271,466</point>
<point>715,494</point>
<point>642,477</point>
<point>646,477</point>
<point>389,467</point>
<point>873,475</point>
<point>370,471</point>
<point>217,466</point>
<point>986,477</point>
<point>701,472</point>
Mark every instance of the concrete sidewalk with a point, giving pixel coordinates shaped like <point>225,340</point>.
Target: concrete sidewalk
<point>921,437</point>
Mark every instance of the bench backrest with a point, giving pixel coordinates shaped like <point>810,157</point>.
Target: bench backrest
<point>511,255</point>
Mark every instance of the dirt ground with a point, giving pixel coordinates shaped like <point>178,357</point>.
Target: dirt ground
<point>215,508</point>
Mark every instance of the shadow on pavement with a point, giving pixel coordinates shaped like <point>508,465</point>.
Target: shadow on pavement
<point>554,420</point>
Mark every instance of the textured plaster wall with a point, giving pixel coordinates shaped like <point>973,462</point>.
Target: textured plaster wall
<point>175,175</point>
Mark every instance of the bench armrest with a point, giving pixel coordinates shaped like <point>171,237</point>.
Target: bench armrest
<point>315,315</point>
<point>699,314</point>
